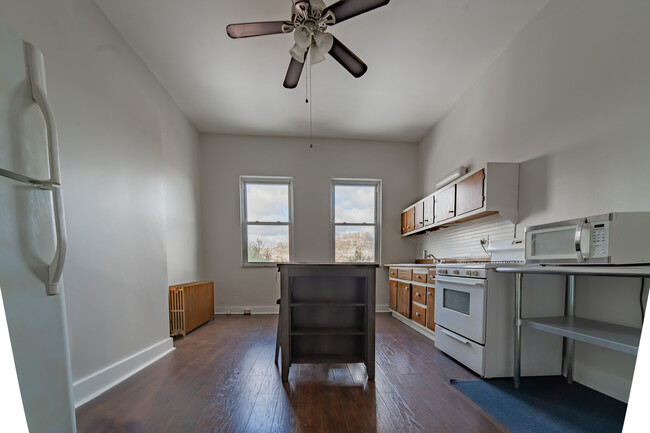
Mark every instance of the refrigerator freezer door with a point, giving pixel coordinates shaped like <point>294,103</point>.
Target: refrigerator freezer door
<point>23,134</point>
<point>36,322</point>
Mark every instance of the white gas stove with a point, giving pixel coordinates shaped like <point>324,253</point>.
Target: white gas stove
<point>474,314</point>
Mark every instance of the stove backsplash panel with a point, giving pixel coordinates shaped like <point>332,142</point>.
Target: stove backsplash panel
<point>464,240</point>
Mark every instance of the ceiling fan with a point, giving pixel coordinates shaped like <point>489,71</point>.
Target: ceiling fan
<point>309,22</point>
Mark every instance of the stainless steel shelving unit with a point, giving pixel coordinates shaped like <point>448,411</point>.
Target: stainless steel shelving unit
<point>616,337</point>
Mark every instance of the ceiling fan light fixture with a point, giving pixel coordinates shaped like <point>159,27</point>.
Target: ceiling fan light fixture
<point>309,21</point>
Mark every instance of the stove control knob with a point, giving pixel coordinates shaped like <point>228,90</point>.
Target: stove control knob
<point>468,272</point>
<point>475,273</point>
<point>442,271</point>
<point>456,272</point>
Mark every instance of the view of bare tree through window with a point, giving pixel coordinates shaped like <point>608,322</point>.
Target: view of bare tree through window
<point>355,247</point>
<point>355,222</point>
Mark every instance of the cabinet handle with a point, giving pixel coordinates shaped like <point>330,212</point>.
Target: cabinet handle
<point>417,314</point>
<point>451,211</point>
<point>417,293</point>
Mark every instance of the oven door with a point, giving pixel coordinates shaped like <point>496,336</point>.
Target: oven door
<point>460,306</point>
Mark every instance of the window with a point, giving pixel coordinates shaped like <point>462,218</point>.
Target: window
<point>356,220</point>
<point>266,219</point>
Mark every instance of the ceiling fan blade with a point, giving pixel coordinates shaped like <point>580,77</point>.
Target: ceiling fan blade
<point>345,9</point>
<point>293,74</point>
<point>347,59</point>
<point>246,30</point>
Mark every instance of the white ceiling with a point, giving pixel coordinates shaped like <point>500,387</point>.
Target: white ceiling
<point>421,54</point>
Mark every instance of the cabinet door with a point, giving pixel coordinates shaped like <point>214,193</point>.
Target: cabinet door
<point>469,193</point>
<point>427,206</point>
<point>445,206</point>
<point>410,220</point>
<point>403,222</point>
<point>404,299</point>
<point>419,215</point>
<point>431,296</point>
<point>392,295</point>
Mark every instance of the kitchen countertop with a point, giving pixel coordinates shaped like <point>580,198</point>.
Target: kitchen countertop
<point>410,265</point>
<point>642,271</point>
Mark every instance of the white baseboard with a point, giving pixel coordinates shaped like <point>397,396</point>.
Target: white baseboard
<point>421,329</point>
<point>599,380</point>
<point>97,383</point>
<point>260,309</point>
<point>273,309</point>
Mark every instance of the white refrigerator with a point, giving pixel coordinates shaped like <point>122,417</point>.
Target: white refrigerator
<point>32,240</point>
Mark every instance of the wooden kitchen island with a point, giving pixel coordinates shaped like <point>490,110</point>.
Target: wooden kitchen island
<point>327,314</point>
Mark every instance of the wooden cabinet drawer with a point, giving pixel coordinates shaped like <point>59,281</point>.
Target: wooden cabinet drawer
<point>419,314</point>
<point>431,276</point>
<point>404,299</point>
<point>392,295</point>
<point>419,294</point>
<point>404,274</point>
<point>392,272</point>
<point>431,306</point>
<point>419,277</point>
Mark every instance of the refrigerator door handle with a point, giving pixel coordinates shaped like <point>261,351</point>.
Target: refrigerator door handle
<point>36,66</point>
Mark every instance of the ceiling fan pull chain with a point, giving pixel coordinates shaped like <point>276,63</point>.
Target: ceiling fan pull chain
<point>311,104</point>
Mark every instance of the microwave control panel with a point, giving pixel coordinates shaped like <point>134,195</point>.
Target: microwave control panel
<point>600,239</point>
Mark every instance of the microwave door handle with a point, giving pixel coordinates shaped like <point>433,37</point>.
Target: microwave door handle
<point>578,240</point>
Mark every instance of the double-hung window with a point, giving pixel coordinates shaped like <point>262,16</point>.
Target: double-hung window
<point>356,220</point>
<point>266,220</point>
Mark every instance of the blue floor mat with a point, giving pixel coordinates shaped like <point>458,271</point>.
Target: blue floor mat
<point>545,405</point>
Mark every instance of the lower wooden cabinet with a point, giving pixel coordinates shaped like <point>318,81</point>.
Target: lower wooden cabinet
<point>411,293</point>
<point>419,314</point>
<point>392,295</point>
<point>404,299</point>
<point>431,298</point>
<point>419,294</point>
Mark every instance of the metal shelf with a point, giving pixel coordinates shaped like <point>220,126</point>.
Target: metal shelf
<point>616,337</point>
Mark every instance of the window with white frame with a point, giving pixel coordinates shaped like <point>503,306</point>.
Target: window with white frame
<point>356,220</point>
<point>266,219</point>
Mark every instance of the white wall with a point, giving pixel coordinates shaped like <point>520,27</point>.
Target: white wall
<point>570,100</point>
<point>225,158</point>
<point>128,159</point>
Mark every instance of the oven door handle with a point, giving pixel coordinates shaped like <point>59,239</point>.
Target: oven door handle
<point>459,281</point>
<point>454,336</point>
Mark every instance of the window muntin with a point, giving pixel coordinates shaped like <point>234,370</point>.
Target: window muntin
<point>356,214</point>
<point>267,220</point>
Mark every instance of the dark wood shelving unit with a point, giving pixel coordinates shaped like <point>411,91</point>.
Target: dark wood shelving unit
<point>327,314</point>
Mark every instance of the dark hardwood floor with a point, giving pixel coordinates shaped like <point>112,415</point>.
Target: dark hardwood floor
<point>222,378</point>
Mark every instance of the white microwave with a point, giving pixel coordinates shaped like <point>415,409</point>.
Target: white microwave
<point>615,238</point>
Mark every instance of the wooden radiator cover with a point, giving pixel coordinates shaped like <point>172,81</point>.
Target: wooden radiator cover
<point>190,306</point>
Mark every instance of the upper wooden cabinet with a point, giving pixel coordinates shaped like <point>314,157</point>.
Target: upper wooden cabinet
<point>445,204</point>
<point>419,215</point>
<point>410,220</point>
<point>404,223</point>
<point>469,193</point>
<point>427,205</point>
<point>489,190</point>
